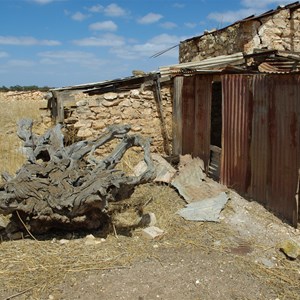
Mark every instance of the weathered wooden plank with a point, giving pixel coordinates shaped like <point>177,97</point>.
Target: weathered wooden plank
<point>177,116</point>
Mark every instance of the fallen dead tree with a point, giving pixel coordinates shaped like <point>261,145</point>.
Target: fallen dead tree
<point>68,187</point>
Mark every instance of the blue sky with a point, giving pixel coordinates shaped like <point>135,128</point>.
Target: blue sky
<point>66,42</point>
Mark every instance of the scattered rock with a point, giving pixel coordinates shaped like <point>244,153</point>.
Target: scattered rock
<point>290,248</point>
<point>91,240</point>
<point>204,210</point>
<point>152,232</point>
<point>63,241</point>
<point>190,179</point>
<point>266,262</point>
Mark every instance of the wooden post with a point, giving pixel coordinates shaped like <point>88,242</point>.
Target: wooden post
<point>58,109</point>
<point>161,115</point>
<point>177,116</point>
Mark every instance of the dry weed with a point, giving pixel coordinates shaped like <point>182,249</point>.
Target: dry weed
<point>11,157</point>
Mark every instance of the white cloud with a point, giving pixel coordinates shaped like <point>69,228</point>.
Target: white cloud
<point>178,5</point>
<point>20,63</point>
<point>26,41</point>
<point>263,3</point>
<point>150,18</point>
<point>106,25</point>
<point>114,10</point>
<point>78,16</point>
<point>232,15</point>
<point>42,2</point>
<point>106,40</point>
<point>168,25</point>
<point>82,58</point>
<point>95,9</point>
<point>3,54</point>
<point>190,24</point>
<point>251,7</point>
<point>156,44</point>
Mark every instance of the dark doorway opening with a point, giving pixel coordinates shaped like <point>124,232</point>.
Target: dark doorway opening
<point>216,131</point>
<point>216,114</point>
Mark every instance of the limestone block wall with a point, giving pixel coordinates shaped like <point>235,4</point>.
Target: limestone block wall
<point>279,31</point>
<point>136,107</point>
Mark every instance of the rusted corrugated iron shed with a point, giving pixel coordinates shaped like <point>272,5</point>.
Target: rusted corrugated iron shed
<point>261,139</point>
<point>260,134</point>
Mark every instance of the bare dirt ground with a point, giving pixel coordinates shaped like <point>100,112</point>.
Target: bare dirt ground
<point>237,258</point>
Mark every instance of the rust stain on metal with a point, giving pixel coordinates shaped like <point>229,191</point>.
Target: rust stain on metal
<point>188,115</point>
<point>260,134</point>
<point>236,129</point>
<point>260,144</point>
<point>203,95</point>
<point>285,144</point>
<point>261,139</point>
<point>196,116</point>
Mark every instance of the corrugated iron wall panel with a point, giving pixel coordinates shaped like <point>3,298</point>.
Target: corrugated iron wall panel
<point>260,143</point>
<point>261,139</point>
<point>284,139</point>
<point>188,115</point>
<point>237,114</point>
<point>203,95</point>
<point>260,134</point>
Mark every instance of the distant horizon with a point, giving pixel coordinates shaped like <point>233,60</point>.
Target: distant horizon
<point>60,43</point>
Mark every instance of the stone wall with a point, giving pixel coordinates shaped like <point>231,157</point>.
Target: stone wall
<point>22,96</point>
<point>279,31</point>
<point>136,107</point>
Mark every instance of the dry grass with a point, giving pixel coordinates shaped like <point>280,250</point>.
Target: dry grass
<point>34,269</point>
<point>41,267</point>
<point>11,157</point>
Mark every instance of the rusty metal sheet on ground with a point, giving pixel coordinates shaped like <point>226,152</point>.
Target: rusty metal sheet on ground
<point>190,179</point>
<point>205,210</point>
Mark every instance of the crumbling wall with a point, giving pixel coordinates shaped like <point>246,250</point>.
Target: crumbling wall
<point>279,31</point>
<point>137,107</point>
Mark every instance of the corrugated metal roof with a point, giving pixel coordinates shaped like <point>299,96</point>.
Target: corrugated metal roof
<point>210,64</point>
<point>94,86</point>
<point>277,66</point>
<point>263,61</point>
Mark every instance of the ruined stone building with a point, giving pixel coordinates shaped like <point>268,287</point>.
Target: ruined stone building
<point>277,29</point>
<point>233,100</point>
